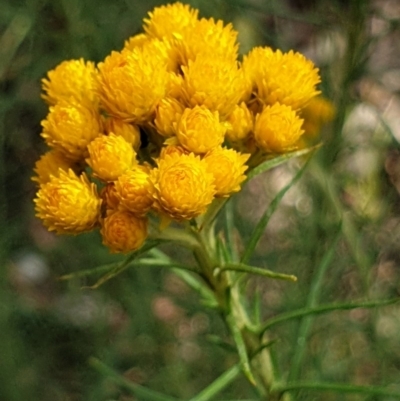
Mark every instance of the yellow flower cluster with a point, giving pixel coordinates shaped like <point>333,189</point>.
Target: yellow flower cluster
<point>164,126</point>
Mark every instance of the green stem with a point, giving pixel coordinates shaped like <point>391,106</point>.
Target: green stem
<point>339,388</point>
<point>256,360</point>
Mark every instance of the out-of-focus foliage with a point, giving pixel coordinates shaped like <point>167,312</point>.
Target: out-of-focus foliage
<point>146,323</point>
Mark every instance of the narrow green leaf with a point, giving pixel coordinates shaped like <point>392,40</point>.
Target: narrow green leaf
<point>276,161</point>
<point>218,385</point>
<point>335,387</point>
<point>88,272</point>
<point>257,306</point>
<point>212,212</point>
<point>222,253</point>
<point>229,228</point>
<point>264,346</point>
<point>153,262</point>
<point>241,348</point>
<point>241,267</point>
<point>262,224</point>
<point>191,280</point>
<point>319,310</point>
<point>139,391</point>
<point>120,267</point>
<point>217,340</point>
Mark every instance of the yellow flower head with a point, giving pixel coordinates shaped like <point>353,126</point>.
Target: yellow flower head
<point>130,132</point>
<point>175,84</point>
<point>318,112</point>
<point>110,156</point>
<point>169,20</point>
<point>110,200</point>
<point>70,127</point>
<point>168,113</point>
<point>50,164</point>
<point>135,41</point>
<point>72,79</point>
<point>161,49</point>
<point>123,232</point>
<point>184,187</point>
<point>207,37</point>
<point>216,83</point>
<point>240,123</point>
<point>199,130</point>
<point>277,128</point>
<point>172,149</point>
<point>68,204</point>
<point>132,82</point>
<point>135,191</point>
<point>227,167</point>
<point>287,78</point>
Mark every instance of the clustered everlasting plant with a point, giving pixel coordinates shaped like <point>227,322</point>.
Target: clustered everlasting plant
<point>149,144</point>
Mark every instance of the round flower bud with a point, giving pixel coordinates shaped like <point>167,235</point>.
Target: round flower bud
<point>135,191</point>
<point>216,83</point>
<point>168,113</point>
<point>240,123</point>
<point>132,82</point>
<point>169,20</point>
<point>72,79</point>
<point>123,232</point>
<point>287,78</point>
<point>199,130</point>
<point>68,204</point>
<point>70,127</point>
<point>227,167</point>
<point>183,186</point>
<point>49,164</point>
<point>277,129</point>
<point>110,156</point>
<point>172,149</point>
<point>207,37</point>
<point>130,132</point>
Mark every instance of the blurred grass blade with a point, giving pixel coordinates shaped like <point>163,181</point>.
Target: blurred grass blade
<point>284,317</point>
<point>241,348</point>
<point>139,391</point>
<point>120,267</point>
<point>335,387</point>
<point>305,324</point>
<point>12,38</point>
<point>276,161</point>
<point>241,267</point>
<point>218,385</point>
<point>262,224</point>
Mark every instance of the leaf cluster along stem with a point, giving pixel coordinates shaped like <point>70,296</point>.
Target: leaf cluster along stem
<point>255,358</point>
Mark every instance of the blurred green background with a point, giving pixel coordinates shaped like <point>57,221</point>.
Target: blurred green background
<point>341,219</point>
